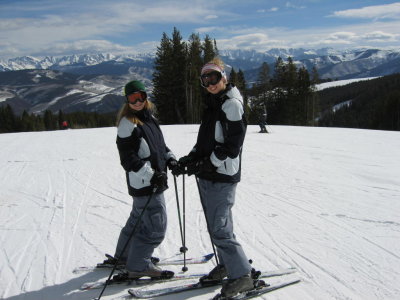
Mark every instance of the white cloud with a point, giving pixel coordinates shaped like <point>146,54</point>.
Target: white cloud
<point>338,39</point>
<point>291,5</point>
<point>386,11</point>
<point>272,9</point>
<point>261,39</point>
<point>97,22</point>
<point>257,41</point>
<point>379,36</point>
<point>161,12</point>
<point>89,46</point>
<point>83,28</point>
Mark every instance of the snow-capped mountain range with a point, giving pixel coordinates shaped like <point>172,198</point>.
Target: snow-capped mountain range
<point>330,63</point>
<point>93,82</point>
<point>50,62</point>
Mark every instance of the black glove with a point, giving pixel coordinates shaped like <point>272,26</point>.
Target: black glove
<point>172,163</point>
<point>200,166</point>
<point>175,167</point>
<point>159,179</point>
<point>192,168</point>
<point>185,160</point>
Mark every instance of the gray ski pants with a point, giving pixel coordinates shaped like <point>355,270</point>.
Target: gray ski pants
<point>218,199</point>
<point>149,233</point>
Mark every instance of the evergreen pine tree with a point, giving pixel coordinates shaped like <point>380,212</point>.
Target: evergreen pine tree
<point>315,76</point>
<point>233,77</point>
<point>177,78</point>
<point>49,120</point>
<point>193,94</point>
<point>7,119</point>
<point>278,96</point>
<point>177,91</point>
<point>241,85</point>
<point>304,98</point>
<point>161,79</point>
<point>61,119</point>
<point>209,49</point>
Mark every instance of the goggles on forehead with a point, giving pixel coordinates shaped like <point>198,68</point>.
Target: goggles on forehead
<point>210,78</point>
<point>135,97</point>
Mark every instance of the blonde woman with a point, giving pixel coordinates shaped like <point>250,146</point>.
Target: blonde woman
<point>145,157</point>
<point>216,161</point>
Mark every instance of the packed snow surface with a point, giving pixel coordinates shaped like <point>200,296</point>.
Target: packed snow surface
<point>323,200</point>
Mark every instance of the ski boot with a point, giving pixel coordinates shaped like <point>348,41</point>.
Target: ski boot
<point>152,271</point>
<point>110,263</point>
<point>111,260</point>
<point>233,287</point>
<point>215,276</point>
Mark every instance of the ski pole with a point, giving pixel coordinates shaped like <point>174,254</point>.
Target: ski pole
<point>183,249</point>
<point>208,225</point>
<point>184,268</point>
<point>127,242</point>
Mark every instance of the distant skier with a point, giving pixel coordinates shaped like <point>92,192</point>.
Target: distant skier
<point>263,122</point>
<point>145,157</point>
<point>216,161</point>
<point>64,125</point>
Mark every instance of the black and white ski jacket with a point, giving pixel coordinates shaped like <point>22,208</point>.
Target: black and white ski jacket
<point>221,135</point>
<point>142,150</point>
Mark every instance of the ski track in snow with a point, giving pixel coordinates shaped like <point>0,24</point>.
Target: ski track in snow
<point>323,200</point>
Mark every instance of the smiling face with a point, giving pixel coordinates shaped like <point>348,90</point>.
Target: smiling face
<point>137,106</point>
<point>136,101</point>
<point>214,86</point>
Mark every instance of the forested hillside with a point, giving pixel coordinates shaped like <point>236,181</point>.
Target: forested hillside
<point>372,104</point>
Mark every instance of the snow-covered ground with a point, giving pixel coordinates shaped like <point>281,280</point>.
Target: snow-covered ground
<point>323,200</point>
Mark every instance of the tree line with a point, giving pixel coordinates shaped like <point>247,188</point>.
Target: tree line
<point>10,122</point>
<point>177,91</point>
<point>371,104</point>
<point>287,94</point>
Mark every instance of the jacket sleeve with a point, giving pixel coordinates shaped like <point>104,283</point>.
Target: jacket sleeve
<point>233,127</point>
<point>128,143</point>
<point>168,153</point>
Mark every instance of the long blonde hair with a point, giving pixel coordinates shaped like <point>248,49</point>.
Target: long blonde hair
<point>129,113</point>
<point>217,61</point>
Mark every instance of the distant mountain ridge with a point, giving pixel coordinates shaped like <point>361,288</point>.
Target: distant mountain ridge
<point>93,82</point>
<point>38,90</point>
<point>330,63</point>
<point>50,62</point>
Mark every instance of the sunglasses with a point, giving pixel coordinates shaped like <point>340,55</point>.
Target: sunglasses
<point>211,78</point>
<point>136,97</point>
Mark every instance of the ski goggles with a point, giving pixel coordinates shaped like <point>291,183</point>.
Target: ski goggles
<point>136,97</point>
<point>211,78</point>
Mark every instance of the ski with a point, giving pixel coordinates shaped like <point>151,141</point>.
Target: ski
<point>142,293</point>
<point>139,282</point>
<point>259,291</point>
<point>194,260</point>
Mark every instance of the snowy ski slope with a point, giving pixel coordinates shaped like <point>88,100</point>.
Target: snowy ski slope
<point>323,200</point>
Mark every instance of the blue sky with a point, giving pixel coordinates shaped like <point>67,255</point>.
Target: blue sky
<point>64,27</point>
